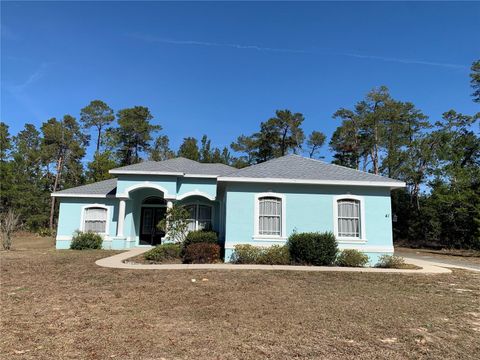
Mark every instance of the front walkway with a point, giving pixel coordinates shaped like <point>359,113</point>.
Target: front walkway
<point>117,261</point>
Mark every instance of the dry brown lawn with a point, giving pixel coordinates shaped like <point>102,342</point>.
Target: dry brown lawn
<point>60,305</point>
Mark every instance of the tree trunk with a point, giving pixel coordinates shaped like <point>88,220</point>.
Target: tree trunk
<point>99,137</point>
<point>55,184</point>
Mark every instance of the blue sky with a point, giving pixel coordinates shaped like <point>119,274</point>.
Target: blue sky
<point>222,68</point>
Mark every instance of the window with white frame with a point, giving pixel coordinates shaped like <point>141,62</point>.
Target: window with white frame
<point>95,220</point>
<point>349,218</point>
<point>270,216</point>
<point>200,217</point>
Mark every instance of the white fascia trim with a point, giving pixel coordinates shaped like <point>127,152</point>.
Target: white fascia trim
<point>200,176</point>
<point>391,185</point>
<point>167,173</point>
<point>363,236</point>
<point>256,213</point>
<point>82,195</point>
<point>145,172</point>
<point>196,193</point>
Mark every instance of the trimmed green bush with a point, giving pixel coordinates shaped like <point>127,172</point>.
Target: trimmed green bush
<point>352,258</point>
<point>202,253</point>
<point>86,240</point>
<point>163,252</point>
<point>200,236</point>
<point>249,254</point>
<point>245,254</point>
<point>313,248</point>
<point>391,261</point>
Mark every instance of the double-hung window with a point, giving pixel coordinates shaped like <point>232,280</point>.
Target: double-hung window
<point>200,217</point>
<point>270,216</point>
<point>349,218</point>
<point>95,220</point>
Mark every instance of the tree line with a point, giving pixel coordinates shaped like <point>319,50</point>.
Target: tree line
<point>438,159</point>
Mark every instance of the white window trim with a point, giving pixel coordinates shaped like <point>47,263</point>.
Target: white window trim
<point>344,239</point>
<point>197,204</point>
<point>107,223</point>
<point>256,232</point>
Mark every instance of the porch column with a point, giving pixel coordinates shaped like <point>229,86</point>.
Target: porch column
<point>121,218</point>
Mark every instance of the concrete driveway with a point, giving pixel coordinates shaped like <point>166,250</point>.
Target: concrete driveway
<point>440,260</point>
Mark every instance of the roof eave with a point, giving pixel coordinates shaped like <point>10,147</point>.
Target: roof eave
<point>144,172</point>
<point>392,185</point>
<point>98,196</point>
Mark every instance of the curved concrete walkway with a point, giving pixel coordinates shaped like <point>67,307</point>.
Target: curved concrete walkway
<point>117,262</point>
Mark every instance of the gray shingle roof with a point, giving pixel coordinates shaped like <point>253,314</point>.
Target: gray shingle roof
<point>292,168</point>
<point>299,168</point>
<point>178,165</point>
<point>105,187</point>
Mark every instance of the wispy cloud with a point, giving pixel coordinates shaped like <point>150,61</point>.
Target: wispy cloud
<point>31,79</point>
<point>154,39</point>
<point>407,61</point>
<point>21,94</point>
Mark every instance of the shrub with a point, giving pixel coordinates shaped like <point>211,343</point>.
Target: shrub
<point>175,223</point>
<point>352,258</point>
<point>45,232</point>
<point>313,248</point>
<point>86,240</point>
<point>246,254</point>
<point>163,252</point>
<point>200,236</point>
<point>201,253</point>
<point>274,255</point>
<point>249,254</point>
<point>9,223</point>
<point>391,261</point>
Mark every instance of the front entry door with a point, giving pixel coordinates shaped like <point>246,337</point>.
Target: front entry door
<point>150,217</point>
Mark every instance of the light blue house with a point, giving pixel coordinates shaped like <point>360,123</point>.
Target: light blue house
<point>260,205</point>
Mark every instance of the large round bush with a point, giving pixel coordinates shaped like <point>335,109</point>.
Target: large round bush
<point>313,248</point>
<point>163,252</point>
<point>86,240</point>
<point>200,236</point>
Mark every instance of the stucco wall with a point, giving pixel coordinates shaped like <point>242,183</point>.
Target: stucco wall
<point>169,183</point>
<point>308,208</point>
<point>70,216</point>
<point>192,185</point>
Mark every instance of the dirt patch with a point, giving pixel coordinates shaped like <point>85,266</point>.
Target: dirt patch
<point>60,305</point>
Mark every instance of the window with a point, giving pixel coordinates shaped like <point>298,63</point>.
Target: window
<point>95,220</point>
<point>269,220</point>
<point>270,216</point>
<point>348,217</point>
<point>200,217</point>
